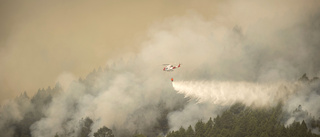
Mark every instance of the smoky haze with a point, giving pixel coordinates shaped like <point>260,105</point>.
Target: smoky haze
<point>255,42</point>
<point>40,40</point>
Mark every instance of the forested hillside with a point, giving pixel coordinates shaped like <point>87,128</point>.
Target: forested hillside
<point>241,121</point>
<point>19,115</point>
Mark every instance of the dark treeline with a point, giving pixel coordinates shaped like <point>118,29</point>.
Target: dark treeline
<point>30,108</point>
<point>241,121</point>
<point>238,121</point>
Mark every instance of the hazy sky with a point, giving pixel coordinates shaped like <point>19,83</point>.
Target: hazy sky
<point>40,40</point>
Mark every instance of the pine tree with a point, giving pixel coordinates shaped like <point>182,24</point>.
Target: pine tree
<point>208,127</point>
<point>199,129</point>
<point>190,132</point>
<point>182,132</point>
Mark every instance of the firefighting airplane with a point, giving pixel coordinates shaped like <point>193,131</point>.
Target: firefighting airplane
<point>169,67</point>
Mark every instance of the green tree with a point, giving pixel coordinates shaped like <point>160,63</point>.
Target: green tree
<point>264,134</point>
<point>103,132</point>
<point>182,132</point>
<point>199,129</point>
<point>139,135</point>
<point>208,127</point>
<point>190,132</point>
<point>85,127</point>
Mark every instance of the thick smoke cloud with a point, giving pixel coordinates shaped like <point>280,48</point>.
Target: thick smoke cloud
<point>14,111</point>
<point>39,40</point>
<point>118,98</point>
<point>250,42</point>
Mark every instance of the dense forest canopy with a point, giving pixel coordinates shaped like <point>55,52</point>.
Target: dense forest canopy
<point>241,121</point>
